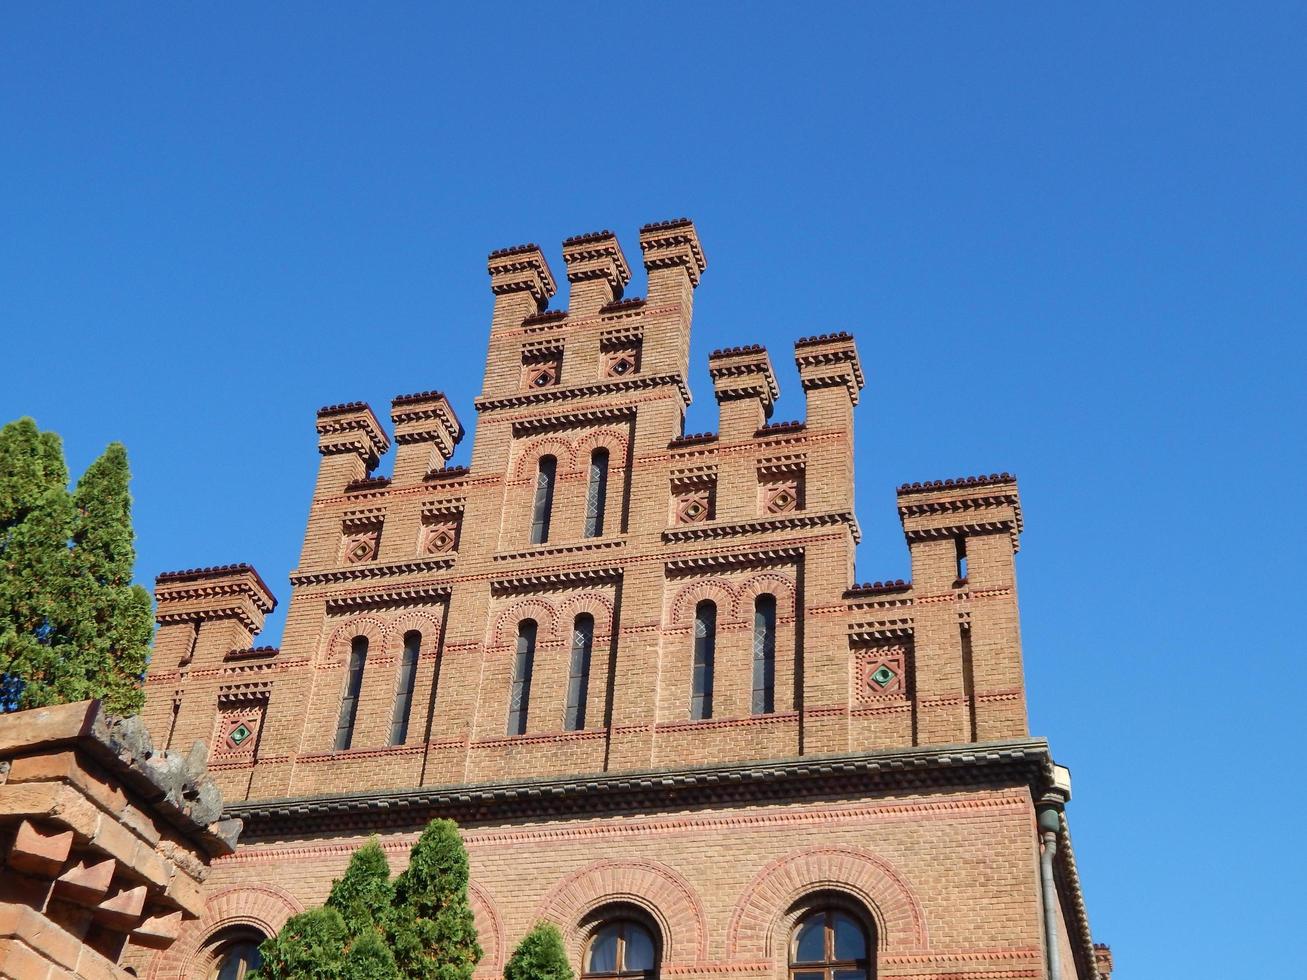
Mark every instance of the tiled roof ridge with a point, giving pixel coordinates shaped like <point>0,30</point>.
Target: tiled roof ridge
<point>417,396</point>
<point>822,338</point>
<point>500,253</point>
<point>927,486</point>
<point>742,349</point>
<point>669,223</point>
<point>588,236</point>
<point>889,585</point>
<point>342,408</point>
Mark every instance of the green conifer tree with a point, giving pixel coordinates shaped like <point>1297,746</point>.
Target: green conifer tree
<point>540,956</point>
<point>310,946</point>
<point>433,935</point>
<point>36,577</point>
<point>365,897</point>
<point>114,622</point>
<point>72,625</point>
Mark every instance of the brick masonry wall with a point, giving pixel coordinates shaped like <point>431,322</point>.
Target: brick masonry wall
<point>755,509</point>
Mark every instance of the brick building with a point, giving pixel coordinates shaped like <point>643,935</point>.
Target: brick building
<point>634,665</point>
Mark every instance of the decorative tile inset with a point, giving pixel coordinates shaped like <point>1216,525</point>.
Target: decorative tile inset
<point>880,671</point>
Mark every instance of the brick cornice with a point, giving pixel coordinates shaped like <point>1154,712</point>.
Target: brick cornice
<point>1017,762</point>
<point>705,532</point>
<point>638,383</point>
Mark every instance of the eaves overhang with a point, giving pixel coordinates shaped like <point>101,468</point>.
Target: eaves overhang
<point>919,769</point>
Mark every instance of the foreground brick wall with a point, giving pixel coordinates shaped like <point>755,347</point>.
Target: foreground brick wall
<point>103,842</point>
<point>756,509</point>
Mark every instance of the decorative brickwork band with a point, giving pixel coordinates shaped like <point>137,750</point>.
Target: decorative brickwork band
<point>764,913</point>
<point>661,892</point>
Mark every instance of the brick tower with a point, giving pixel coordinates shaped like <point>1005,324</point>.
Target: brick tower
<point>633,664</point>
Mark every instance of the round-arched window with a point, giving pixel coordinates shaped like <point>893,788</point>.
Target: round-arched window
<point>829,944</point>
<point>621,948</point>
<point>237,960</point>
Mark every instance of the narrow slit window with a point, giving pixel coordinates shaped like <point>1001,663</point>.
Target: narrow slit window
<point>596,494</point>
<point>349,703</point>
<point>408,668</point>
<point>961,545</point>
<point>523,663</point>
<point>764,654</point>
<point>544,499</point>
<point>705,648</point>
<point>578,672</point>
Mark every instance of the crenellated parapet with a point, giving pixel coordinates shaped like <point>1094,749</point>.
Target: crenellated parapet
<point>426,433</point>
<point>218,592</point>
<point>521,281</point>
<point>828,363</point>
<point>597,271</point>
<point>746,389</point>
<point>673,258</point>
<point>351,442</point>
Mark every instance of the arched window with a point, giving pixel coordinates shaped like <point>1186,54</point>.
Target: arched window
<point>349,703</point>
<point>829,944</point>
<point>236,956</point>
<point>523,662</point>
<point>408,669</point>
<point>544,499</point>
<point>578,672</point>
<point>621,949</point>
<point>764,654</point>
<point>596,493</point>
<point>705,649</point>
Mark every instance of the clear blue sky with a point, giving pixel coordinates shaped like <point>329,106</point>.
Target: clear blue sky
<point>1070,243</point>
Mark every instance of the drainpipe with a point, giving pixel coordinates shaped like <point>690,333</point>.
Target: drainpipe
<point>1050,823</point>
<point>1049,819</point>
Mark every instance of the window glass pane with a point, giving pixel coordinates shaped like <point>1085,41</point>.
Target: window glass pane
<point>816,975</point>
<point>544,500</point>
<point>850,975</point>
<point>764,654</point>
<point>849,941</point>
<point>810,940</point>
<point>596,493</point>
<point>603,951</point>
<point>639,949</point>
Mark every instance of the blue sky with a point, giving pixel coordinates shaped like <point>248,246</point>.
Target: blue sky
<point>1069,241</point>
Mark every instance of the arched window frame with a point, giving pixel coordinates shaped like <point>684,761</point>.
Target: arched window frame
<point>627,927</point>
<point>543,505</point>
<point>519,698</point>
<point>578,672</point>
<point>349,702</point>
<point>234,954</point>
<point>596,493</point>
<point>834,964</point>
<point>405,681</point>
<point>764,654</point>
<point>705,655</point>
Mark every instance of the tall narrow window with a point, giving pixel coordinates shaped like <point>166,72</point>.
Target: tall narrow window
<point>544,499</point>
<point>578,672</point>
<point>596,494</point>
<point>764,654</point>
<point>349,704</point>
<point>705,647</point>
<point>408,669</point>
<point>961,545</point>
<point>520,697</point>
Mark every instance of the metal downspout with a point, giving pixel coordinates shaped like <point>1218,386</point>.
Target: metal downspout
<point>1049,890</point>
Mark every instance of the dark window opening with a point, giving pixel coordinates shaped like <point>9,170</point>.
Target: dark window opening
<point>408,668</point>
<point>578,672</point>
<point>961,546</point>
<point>544,499</point>
<point>705,648</point>
<point>349,703</point>
<point>764,654</point>
<point>523,664</point>
<point>596,494</point>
